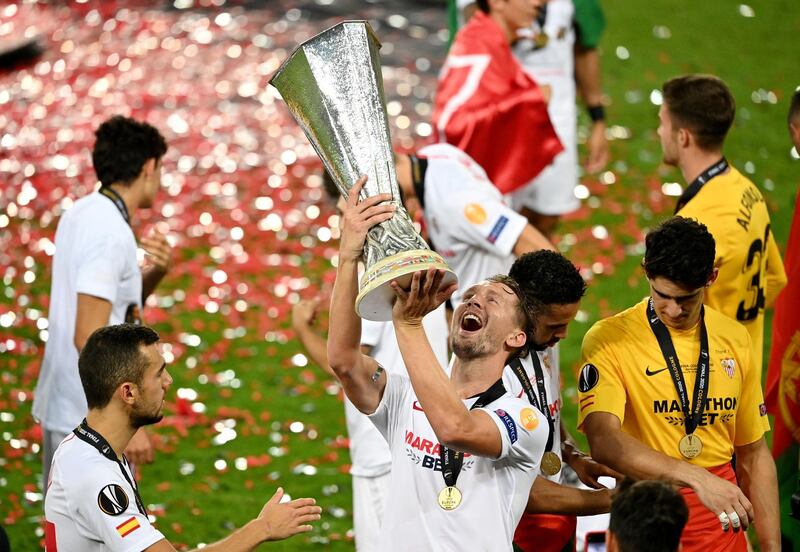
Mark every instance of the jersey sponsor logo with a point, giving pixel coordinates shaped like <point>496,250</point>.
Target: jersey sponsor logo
<point>588,378</point>
<point>128,526</point>
<point>528,418</point>
<point>424,445</point>
<point>497,229</point>
<point>720,409</point>
<point>511,427</point>
<point>650,372</point>
<point>112,500</point>
<point>475,213</point>
<point>729,365</point>
<point>426,453</point>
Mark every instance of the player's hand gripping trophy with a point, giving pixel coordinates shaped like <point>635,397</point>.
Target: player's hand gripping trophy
<point>333,87</point>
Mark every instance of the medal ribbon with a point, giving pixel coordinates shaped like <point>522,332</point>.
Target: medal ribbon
<point>419,166</point>
<point>116,199</point>
<point>693,188</point>
<point>451,459</point>
<point>519,371</point>
<point>88,435</point>
<point>691,416</point>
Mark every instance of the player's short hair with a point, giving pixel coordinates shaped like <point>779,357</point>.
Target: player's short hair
<point>112,356</point>
<point>682,251</point>
<point>521,313</point>
<point>647,515</point>
<point>483,5</point>
<point>122,147</point>
<point>702,104</point>
<point>794,108</point>
<point>547,278</point>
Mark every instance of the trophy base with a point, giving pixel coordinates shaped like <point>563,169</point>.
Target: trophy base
<point>374,301</point>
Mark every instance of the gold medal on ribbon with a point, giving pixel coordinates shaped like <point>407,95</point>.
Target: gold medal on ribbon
<point>449,498</point>
<point>551,463</point>
<point>690,446</point>
<point>540,40</point>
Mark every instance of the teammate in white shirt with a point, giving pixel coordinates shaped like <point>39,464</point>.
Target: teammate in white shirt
<point>467,219</point>
<point>553,288</point>
<point>560,52</point>
<point>440,498</point>
<point>96,277</point>
<point>92,501</point>
<point>370,458</point>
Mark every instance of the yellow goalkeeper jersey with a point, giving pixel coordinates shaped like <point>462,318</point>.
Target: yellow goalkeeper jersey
<point>751,271</point>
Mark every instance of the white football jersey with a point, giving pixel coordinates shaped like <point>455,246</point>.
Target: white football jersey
<point>95,255</point>
<point>494,491</point>
<point>552,383</point>
<point>90,506</point>
<point>553,64</point>
<point>468,220</point>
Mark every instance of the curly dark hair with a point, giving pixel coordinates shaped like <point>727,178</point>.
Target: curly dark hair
<point>547,278</point>
<point>648,515</point>
<point>122,147</point>
<point>681,250</point>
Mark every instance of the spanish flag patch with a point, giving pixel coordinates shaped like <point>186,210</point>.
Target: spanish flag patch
<point>128,526</point>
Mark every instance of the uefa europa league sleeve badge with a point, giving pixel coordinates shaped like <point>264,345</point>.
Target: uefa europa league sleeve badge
<point>333,87</point>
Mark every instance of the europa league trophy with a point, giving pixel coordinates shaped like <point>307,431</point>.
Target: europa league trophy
<point>332,84</point>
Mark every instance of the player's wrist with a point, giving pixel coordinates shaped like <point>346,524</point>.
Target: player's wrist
<point>597,113</point>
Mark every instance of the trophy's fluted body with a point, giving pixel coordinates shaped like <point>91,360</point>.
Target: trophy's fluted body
<point>333,87</point>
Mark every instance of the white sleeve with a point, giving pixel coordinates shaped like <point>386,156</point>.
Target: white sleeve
<point>395,396</point>
<point>523,430</point>
<point>475,212</point>
<point>101,269</point>
<point>371,332</point>
<point>106,506</point>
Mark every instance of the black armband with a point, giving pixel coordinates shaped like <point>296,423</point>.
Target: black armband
<point>597,113</point>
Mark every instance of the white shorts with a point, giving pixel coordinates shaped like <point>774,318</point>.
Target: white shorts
<point>552,192</point>
<point>369,503</point>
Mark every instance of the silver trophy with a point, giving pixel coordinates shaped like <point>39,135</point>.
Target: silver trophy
<point>333,87</point>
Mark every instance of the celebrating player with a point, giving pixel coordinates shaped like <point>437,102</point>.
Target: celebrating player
<point>464,451</point>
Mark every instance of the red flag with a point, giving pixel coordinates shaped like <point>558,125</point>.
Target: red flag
<point>487,106</point>
<point>783,375</point>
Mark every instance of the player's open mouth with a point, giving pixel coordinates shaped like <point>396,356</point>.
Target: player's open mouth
<point>471,322</point>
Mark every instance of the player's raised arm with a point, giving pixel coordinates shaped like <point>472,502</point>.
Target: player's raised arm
<point>353,369</point>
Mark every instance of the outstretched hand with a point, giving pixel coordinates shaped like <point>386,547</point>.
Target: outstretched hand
<point>282,520</point>
<point>359,217</point>
<point>423,296</point>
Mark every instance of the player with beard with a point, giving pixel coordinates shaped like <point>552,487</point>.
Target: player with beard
<point>553,288</point>
<point>93,502</point>
<point>464,451</point>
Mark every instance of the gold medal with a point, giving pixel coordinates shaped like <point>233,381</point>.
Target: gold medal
<point>449,498</point>
<point>690,446</point>
<point>540,40</point>
<point>551,463</point>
